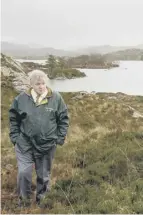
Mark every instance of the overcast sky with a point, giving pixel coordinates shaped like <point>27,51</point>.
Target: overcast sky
<point>73,23</point>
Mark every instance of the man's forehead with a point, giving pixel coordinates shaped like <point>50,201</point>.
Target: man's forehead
<point>39,81</point>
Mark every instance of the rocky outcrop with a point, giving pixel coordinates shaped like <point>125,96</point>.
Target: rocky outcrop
<point>13,69</point>
<point>135,113</point>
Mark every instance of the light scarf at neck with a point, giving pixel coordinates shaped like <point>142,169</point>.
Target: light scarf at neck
<point>38,98</point>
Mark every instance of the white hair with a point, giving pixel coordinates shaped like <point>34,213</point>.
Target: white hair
<point>36,75</point>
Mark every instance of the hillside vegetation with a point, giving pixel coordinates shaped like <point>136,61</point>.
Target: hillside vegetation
<point>100,167</point>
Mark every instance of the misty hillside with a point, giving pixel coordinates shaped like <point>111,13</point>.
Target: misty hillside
<point>20,51</point>
<point>128,54</point>
<point>107,49</point>
<point>32,51</point>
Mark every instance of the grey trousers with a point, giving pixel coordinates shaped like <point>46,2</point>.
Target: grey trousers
<point>43,164</point>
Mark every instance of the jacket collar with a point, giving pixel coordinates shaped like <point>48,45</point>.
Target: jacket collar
<point>49,94</point>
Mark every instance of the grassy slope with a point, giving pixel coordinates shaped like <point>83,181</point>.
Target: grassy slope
<point>99,169</point>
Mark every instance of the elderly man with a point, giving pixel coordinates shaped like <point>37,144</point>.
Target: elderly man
<point>38,122</point>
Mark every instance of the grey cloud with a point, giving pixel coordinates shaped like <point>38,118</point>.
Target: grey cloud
<point>73,23</point>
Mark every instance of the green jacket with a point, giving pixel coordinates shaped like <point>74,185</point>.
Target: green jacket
<point>38,126</point>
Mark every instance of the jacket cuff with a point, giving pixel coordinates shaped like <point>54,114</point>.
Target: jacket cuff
<point>60,141</point>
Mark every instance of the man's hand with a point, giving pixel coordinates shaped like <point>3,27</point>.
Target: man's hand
<point>61,141</point>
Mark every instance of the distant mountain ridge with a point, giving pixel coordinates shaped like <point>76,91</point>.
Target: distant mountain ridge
<point>38,52</point>
<point>104,49</point>
<point>20,51</point>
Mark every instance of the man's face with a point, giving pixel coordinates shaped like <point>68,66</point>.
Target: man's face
<point>39,86</point>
